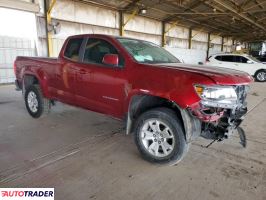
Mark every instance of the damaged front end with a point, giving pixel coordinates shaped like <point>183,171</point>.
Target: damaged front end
<point>221,111</point>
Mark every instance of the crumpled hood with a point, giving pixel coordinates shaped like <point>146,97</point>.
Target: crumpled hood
<point>221,76</point>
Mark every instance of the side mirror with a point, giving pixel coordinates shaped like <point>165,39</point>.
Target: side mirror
<point>250,62</point>
<point>111,59</point>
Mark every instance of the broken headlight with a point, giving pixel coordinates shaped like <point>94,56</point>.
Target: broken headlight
<point>217,96</point>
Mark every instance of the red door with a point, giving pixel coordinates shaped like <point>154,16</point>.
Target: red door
<point>65,72</point>
<point>100,85</point>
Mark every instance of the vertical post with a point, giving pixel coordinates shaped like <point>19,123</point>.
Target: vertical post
<point>190,38</point>
<point>46,26</point>
<point>121,23</point>
<point>222,46</point>
<point>49,20</point>
<point>208,45</point>
<point>163,34</point>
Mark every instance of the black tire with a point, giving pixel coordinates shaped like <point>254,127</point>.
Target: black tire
<point>43,104</point>
<point>257,76</point>
<point>169,118</point>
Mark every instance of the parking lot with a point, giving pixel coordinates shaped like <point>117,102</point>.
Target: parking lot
<point>87,155</point>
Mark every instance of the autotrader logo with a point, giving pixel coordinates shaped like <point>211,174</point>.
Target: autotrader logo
<point>26,193</point>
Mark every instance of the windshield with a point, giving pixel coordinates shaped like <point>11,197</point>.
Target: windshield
<point>254,59</point>
<point>147,52</point>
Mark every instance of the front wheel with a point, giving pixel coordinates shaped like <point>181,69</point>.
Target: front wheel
<point>36,104</point>
<point>260,76</point>
<point>160,137</point>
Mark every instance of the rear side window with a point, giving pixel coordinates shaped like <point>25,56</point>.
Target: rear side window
<point>263,59</point>
<point>241,59</point>
<point>72,49</point>
<point>218,58</point>
<point>228,58</point>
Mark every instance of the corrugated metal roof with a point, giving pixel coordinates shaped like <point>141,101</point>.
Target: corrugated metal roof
<point>242,19</point>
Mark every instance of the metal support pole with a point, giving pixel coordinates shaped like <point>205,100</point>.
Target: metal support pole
<point>190,39</point>
<point>233,44</point>
<point>46,26</point>
<point>164,31</point>
<point>48,22</point>
<point>222,46</point>
<point>208,45</point>
<point>163,35</point>
<point>121,23</point>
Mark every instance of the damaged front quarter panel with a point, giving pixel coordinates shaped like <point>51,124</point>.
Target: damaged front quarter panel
<point>221,122</point>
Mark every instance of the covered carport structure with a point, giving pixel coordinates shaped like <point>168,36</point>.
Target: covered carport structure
<point>85,155</point>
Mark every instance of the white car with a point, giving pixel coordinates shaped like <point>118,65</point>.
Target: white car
<point>241,62</point>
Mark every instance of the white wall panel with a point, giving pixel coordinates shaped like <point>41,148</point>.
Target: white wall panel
<point>188,56</point>
<point>177,31</point>
<point>215,49</point>
<point>216,39</point>
<point>84,13</point>
<point>176,43</point>
<point>152,38</point>
<point>71,28</point>
<point>200,36</point>
<point>10,48</point>
<point>145,25</point>
<point>199,45</point>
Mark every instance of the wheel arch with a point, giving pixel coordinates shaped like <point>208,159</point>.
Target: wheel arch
<point>139,103</point>
<point>259,70</point>
<point>31,78</point>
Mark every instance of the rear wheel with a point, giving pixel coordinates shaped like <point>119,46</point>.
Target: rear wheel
<point>35,103</point>
<point>260,76</point>
<point>160,137</point>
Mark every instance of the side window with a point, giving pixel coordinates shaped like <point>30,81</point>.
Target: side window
<point>238,59</point>
<point>96,49</point>
<point>218,58</point>
<point>244,60</point>
<point>228,58</point>
<point>241,59</point>
<point>72,49</point>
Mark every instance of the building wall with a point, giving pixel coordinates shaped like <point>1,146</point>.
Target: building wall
<point>17,38</point>
<point>10,48</point>
<point>79,18</point>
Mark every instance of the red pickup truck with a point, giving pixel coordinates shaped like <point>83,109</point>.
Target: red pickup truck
<point>165,103</point>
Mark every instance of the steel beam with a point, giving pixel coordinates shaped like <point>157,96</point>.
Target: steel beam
<point>190,38</point>
<point>20,5</point>
<point>49,20</point>
<point>133,14</point>
<point>228,7</point>
<point>163,34</point>
<point>208,45</point>
<point>222,45</point>
<point>121,23</point>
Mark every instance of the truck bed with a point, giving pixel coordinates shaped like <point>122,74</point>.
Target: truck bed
<point>33,64</point>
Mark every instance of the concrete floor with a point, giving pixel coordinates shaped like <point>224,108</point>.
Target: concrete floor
<point>85,155</point>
